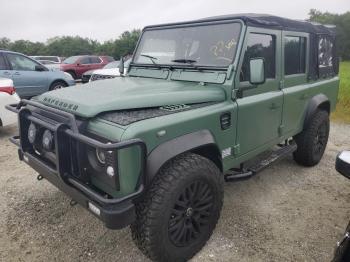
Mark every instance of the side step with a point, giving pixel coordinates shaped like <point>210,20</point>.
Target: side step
<point>245,173</point>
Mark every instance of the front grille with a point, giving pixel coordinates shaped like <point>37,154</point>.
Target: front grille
<point>101,77</point>
<point>85,78</point>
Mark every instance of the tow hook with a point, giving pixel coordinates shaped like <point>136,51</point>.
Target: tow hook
<point>40,177</point>
<point>72,203</point>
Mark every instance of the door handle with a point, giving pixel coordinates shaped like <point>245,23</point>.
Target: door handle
<point>6,73</point>
<point>274,106</point>
<point>17,73</point>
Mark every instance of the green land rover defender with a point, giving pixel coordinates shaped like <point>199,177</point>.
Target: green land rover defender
<point>201,101</point>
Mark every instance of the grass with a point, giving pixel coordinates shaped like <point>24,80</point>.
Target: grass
<point>342,112</point>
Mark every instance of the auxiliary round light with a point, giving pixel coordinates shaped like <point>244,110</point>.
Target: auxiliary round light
<point>48,143</point>
<point>110,171</point>
<point>101,156</point>
<point>32,132</point>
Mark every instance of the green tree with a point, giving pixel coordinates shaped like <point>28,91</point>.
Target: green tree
<point>5,43</point>
<point>75,45</point>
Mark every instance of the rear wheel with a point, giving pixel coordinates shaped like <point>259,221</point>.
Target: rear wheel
<point>57,85</point>
<point>181,209</point>
<point>312,141</point>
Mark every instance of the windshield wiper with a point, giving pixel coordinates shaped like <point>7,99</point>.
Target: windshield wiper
<point>152,58</point>
<point>184,61</point>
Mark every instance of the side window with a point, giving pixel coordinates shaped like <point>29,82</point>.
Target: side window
<point>3,65</point>
<point>294,55</point>
<point>109,59</point>
<point>21,63</point>
<point>85,60</point>
<point>260,45</point>
<point>95,60</point>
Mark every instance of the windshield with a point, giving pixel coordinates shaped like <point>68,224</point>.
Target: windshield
<point>206,45</point>
<point>71,60</point>
<point>114,64</point>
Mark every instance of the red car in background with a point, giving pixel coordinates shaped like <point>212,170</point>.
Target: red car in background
<point>77,65</point>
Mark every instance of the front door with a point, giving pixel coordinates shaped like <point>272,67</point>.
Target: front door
<point>259,107</point>
<point>27,81</point>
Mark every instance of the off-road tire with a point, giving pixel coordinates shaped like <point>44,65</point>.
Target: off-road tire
<point>153,230</point>
<point>312,141</point>
<point>58,85</point>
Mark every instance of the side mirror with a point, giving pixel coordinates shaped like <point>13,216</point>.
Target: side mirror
<point>40,68</point>
<point>121,66</point>
<point>257,71</point>
<point>342,163</point>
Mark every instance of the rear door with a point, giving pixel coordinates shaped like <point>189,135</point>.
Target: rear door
<point>260,107</point>
<point>26,79</point>
<point>83,65</point>
<point>96,62</point>
<point>295,87</point>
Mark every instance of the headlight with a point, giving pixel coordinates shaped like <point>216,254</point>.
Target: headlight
<point>101,156</point>
<point>32,132</point>
<point>48,143</point>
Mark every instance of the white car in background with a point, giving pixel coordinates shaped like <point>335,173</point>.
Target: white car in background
<point>110,70</point>
<point>8,95</point>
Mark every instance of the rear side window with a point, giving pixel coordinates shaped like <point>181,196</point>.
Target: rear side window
<point>260,45</point>
<point>2,63</point>
<point>95,60</point>
<point>294,55</point>
<point>85,61</point>
<point>109,59</point>
<point>325,54</point>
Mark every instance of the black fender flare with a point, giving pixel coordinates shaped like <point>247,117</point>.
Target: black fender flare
<point>316,102</point>
<point>174,147</point>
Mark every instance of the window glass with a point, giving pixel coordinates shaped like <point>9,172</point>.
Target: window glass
<point>2,63</point>
<point>84,60</point>
<point>71,60</point>
<point>95,60</point>
<point>21,63</point>
<point>325,52</point>
<point>113,64</point>
<point>109,58</point>
<point>262,46</point>
<point>205,45</point>
<point>294,55</point>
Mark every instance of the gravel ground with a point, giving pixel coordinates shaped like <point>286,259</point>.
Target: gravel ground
<point>286,213</point>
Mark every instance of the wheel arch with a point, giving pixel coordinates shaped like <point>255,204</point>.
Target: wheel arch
<point>72,72</point>
<point>57,81</point>
<point>200,142</point>
<point>317,102</point>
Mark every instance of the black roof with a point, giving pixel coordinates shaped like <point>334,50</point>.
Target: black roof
<point>267,21</point>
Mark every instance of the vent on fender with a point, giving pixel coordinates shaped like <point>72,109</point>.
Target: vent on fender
<point>225,120</point>
<point>173,108</point>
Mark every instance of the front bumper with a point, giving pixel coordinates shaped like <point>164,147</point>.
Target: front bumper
<point>115,213</point>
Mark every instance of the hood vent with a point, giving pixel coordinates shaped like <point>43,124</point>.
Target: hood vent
<point>173,108</point>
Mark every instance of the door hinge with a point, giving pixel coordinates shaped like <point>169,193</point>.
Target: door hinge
<point>280,130</point>
<point>281,85</point>
<point>236,149</point>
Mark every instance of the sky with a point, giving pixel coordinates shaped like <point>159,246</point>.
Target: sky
<point>38,20</point>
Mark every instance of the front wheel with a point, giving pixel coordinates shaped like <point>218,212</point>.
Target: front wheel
<point>181,209</point>
<point>58,85</point>
<point>312,141</point>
